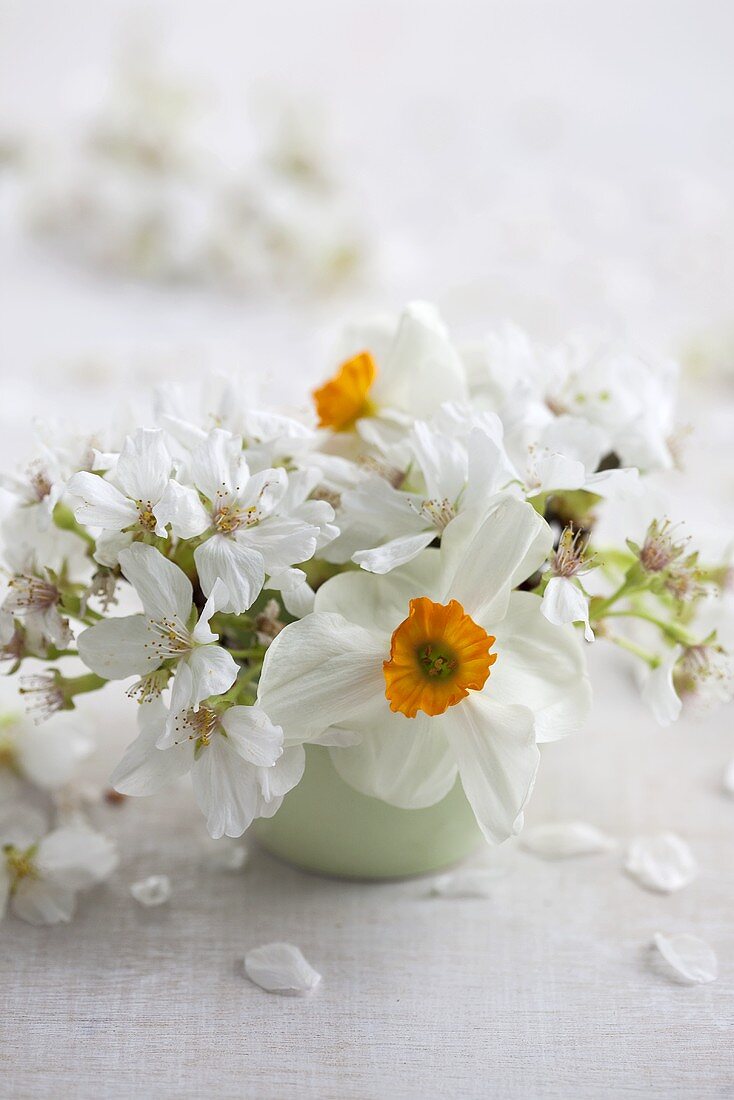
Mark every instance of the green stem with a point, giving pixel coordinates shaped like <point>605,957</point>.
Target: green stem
<point>632,647</point>
<point>670,630</point>
<point>80,685</point>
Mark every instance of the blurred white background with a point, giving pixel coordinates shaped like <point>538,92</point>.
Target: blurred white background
<point>566,165</point>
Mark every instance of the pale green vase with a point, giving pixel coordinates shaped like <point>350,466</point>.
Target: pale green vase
<point>324,825</point>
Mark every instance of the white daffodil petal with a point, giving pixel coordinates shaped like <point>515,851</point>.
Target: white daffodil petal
<point>281,968</point>
<point>494,747</point>
<point>97,503</point>
<point>397,552</point>
<point>336,737</point>
<point>152,891</point>
<point>241,568</point>
<point>565,839</point>
<point>145,769</point>
<point>118,648</point>
<point>380,603</point>
<point>692,959</point>
<point>406,762</point>
<point>481,570</point>
<point>564,602</point>
<point>225,788</point>
<point>253,735</point>
<point>490,471</point>
<point>422,368</point>
<point>662,862</point>
<point>336,666</point>
<point>164,589</point>
<point>472,882</point>
<point>443,462</point>
<point>543,665</point>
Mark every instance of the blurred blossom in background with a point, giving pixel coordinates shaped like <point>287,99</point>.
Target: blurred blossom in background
<point>191,187</point>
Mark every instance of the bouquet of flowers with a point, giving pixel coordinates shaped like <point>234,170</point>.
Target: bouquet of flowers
<point>408,574</point>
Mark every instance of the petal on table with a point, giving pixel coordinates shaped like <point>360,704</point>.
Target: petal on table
<point>281,968</point>
<point>40,902</point>
<point>692,959</point>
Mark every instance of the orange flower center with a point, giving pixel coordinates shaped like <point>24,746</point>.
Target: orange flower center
<point>344,398</point>
<point>437,656</point>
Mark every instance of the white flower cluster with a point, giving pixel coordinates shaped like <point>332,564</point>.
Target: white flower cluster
<point>395,577</point>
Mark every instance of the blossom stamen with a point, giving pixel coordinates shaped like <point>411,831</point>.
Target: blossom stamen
<point>438,512</point>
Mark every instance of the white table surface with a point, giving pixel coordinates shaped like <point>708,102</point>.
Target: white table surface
<point>549,988</point>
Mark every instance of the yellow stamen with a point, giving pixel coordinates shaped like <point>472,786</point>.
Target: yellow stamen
<point>344,398</point>
<point>437,656</point>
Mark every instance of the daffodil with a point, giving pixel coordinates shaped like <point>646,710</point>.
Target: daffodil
<point>438,669</point>
<point>390,382</point>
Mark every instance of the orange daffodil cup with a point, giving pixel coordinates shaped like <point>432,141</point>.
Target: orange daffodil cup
<point>440,668</point>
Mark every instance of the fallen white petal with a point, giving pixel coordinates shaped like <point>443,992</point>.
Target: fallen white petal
<point>470,883</point>
<point>565,839</point>
<point>229,857</point>
<point>281,968</point>
<point>661,862</point>
<point>728,780</point>
<point>154,890</point>
<point>691,958</point>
